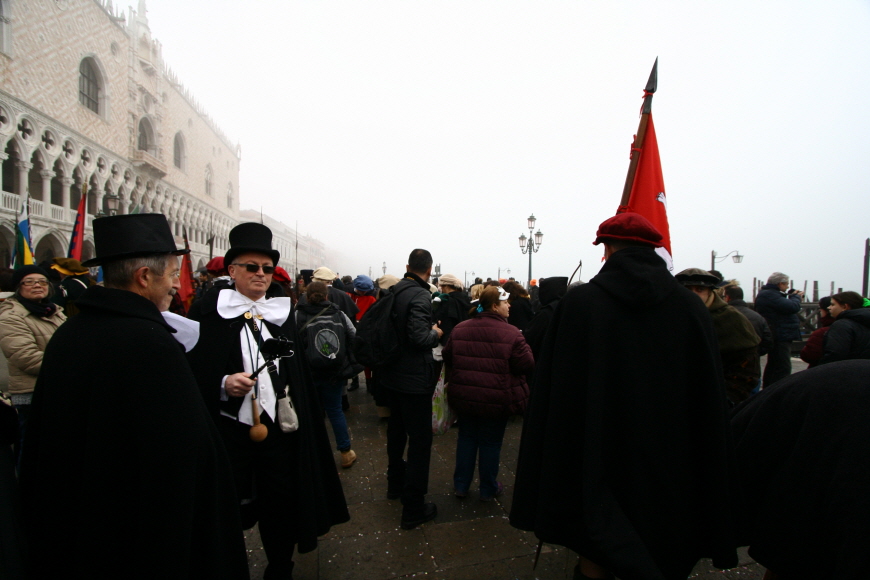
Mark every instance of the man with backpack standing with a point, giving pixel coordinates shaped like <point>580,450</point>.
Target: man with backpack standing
<point>410,377</point>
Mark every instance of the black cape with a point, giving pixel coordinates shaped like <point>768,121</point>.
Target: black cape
<point>802,452</point>
<point>320,499</point>
<point>124,473</point>
<point>625,450</point>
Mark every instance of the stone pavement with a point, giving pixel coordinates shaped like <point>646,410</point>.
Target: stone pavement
<point>469,540</point>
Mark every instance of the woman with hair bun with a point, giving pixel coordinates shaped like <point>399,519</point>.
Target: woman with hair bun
<point>487,362</point>
<point>849,335</point>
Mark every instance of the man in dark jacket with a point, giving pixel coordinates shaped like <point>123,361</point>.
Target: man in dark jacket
<point>410,380</point>
<point>780,308</point>
<point>124,473</point>
<point>624,456</point>
<point>734,297</point>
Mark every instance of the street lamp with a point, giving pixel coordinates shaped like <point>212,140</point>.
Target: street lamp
<point>112,201</point>
<point>384,268</point>
<point>737,257</point>
<point>531,245</point>
<point>507,269</point>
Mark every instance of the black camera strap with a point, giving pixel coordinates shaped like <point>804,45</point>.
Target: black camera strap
<point>280,392</point>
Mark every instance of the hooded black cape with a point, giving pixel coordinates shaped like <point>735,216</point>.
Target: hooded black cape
<point>802,449</point>
<point>320,501</point>
<point>625,449</point>
<point>124,473</point>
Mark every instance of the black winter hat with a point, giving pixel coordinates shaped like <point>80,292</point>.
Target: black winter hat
<point>19,274</point>
<point>250,237</point>
<point>552,288</point>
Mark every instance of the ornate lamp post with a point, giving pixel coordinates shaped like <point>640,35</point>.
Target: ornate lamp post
<point>531,245</point>
<point>737,257</point>
<point>112,201</point>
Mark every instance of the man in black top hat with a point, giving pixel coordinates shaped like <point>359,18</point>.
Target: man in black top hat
<point>124,473</point>
<point>288,481</point>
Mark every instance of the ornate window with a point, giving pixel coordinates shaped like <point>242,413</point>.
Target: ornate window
<point>230,196</point>
<point>90,85</point>
<point>146,136</point>
<point>178,151</point>
<point>208,178</point>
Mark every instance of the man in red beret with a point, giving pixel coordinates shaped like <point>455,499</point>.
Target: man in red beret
<point>625,449</point>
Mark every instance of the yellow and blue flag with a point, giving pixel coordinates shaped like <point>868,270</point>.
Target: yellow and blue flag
<point>23,242</point>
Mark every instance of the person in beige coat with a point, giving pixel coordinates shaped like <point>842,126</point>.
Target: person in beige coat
<point>28,320</point>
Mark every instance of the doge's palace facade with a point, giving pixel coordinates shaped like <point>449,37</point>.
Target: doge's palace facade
<point>85,98</point>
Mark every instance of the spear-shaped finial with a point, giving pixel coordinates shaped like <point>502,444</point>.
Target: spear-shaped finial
<point>645,112</point>
<point>650,88</point>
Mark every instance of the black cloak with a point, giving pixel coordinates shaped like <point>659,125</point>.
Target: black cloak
<point>319,496</point>
<point>123,471</point>
<point>802,447</point>
<point>625,453</point>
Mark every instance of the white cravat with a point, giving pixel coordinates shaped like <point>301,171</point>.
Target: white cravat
<point>186,330</point>
<point>232,304</point>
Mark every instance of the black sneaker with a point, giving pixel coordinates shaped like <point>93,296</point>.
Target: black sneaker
<point>429,512</point>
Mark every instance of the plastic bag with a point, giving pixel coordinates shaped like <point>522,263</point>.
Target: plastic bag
<point>443,416</point>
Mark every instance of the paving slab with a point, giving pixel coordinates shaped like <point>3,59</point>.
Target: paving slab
<point>469,540</point>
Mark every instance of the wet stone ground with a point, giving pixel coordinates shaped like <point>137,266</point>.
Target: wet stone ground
<point>469,540</point>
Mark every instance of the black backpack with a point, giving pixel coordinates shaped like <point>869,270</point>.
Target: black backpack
<point>325,339</point>
<point>377,340</point>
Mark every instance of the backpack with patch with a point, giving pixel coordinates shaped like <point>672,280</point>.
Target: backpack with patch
<point>325,338</point>
<point>377,340</point>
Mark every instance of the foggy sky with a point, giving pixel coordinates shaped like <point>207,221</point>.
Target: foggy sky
<point>389,125</point>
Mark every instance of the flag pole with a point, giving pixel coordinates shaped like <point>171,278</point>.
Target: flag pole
<point>646,110</point>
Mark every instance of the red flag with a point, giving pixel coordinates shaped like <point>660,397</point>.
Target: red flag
<point>77,239</point>
<point>186,293</point>
<point>648,190</point>
<point>644,191</point>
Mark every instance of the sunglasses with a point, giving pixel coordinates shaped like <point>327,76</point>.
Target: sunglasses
<point>254,268</point>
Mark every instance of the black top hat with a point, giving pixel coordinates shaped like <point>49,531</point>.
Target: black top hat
<point>129,236</point>
<point>250,237</point>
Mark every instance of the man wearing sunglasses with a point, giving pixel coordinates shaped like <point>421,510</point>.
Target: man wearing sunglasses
<point>287,482</point>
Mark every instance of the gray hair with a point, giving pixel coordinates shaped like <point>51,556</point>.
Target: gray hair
<point>778,278</point>
<point>119,273</point>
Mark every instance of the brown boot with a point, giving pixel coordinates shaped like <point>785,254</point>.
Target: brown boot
<point>347,458</point>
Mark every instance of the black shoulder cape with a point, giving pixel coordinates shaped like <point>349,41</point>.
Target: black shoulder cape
<point>124,472</point>
<point>625,453</point>
<point>321,502</point>
<point>802,451</point>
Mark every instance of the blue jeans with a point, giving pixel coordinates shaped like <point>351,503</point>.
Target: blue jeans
<point>483,435</point>
<point>330,397</point>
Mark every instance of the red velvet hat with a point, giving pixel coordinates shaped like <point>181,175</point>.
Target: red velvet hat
<point>281,275</point>
<point>631,227</point>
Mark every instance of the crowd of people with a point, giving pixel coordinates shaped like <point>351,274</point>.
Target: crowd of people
<point>154,433</point>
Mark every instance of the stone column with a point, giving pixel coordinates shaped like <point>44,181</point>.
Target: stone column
<point>98,197</point>
<point>46,175</point>
<point>66,182</point>
<point>24,168</point>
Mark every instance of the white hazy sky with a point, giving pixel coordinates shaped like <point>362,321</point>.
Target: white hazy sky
<point>381,126</point>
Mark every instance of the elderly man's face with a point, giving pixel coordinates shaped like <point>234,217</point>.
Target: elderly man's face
<point>251,284</point>
<point>161,289</point>
<point>703,292</point>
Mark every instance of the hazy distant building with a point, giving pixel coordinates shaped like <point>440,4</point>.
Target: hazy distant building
<point>298,252</point>
<point>85,98</point>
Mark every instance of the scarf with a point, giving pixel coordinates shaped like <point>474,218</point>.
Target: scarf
<point>43,309</point>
